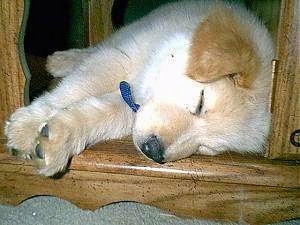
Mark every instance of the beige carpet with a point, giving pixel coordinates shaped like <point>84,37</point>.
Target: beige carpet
<point>53,211</point>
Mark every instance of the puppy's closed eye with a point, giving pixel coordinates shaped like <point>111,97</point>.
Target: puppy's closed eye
<point>198,111</point>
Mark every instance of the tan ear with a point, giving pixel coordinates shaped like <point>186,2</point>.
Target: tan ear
<point>221,46</point>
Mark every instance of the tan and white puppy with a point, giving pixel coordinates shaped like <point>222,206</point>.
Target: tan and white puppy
<point>199,69</point>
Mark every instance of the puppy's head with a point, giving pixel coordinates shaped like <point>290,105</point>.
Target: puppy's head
<point>209,93</point>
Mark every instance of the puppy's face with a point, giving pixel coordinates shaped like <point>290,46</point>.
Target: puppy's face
<point>198,94</point>
<point>181,116</point>
<point>189,117</point>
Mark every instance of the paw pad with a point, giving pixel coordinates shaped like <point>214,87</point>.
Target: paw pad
<point>39,151</point>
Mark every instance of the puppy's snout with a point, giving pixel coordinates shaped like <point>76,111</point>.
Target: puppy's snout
<point>153,148</point>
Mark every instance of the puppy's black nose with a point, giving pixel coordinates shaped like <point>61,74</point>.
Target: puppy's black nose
<point>154,149</point>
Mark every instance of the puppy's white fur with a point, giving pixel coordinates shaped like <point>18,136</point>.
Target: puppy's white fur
<point>152,54</point>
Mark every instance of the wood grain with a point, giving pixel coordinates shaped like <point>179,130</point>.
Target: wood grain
<point>187,198</point>
<point>286,91</point>
<point>99,24</point>
<point>12,78</point>
<point>121,157</point>
<point>228,187</point>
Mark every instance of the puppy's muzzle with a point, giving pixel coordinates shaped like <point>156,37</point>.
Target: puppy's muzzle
<point>153,148</point>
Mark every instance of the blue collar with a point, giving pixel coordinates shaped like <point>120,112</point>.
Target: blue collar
<point>127,96</point>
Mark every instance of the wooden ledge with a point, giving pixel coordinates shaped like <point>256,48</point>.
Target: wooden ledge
<point>221,187</point>
<point>121,157</point>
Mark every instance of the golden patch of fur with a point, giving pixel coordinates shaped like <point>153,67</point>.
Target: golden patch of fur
<point>220,47</point>
<point>163,121</point>
<point>171,125</point>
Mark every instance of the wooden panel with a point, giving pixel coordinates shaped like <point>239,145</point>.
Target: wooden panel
<point>227,187</point>
<point>12,79</point>
<point>121,157</point>
<point>286,91</point>
<point>99,24</point>
<point>188,198</point>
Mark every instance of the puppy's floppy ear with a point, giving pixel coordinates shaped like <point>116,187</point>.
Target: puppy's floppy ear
<point>221,46</point>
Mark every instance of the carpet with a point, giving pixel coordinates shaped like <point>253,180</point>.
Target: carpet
<point>46,210</point>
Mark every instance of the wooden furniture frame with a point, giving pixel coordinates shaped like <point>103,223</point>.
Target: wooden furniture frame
<point>227,187</point>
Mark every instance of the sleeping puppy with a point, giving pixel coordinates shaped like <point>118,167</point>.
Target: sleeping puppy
<point>199,70</point>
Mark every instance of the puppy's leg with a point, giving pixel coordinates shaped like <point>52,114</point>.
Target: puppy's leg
<point>79,125</point>
<point>97,75</point>
<point>61,63</point>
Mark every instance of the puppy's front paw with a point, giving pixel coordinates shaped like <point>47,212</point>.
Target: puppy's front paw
<point>58,141</point>
<point>21,130</point>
